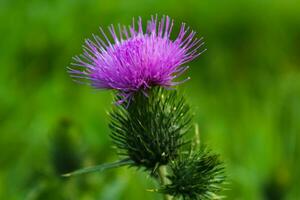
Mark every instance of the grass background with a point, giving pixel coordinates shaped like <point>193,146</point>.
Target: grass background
<point>245,93</point>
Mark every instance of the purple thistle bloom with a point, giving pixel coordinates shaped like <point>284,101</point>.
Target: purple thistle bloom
<point>137,60</point>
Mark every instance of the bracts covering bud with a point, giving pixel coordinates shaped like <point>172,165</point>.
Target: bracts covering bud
<point>150,130</point>
<point>196,176</point>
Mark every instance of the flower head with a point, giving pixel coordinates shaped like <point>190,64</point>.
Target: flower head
<point>136,60</point>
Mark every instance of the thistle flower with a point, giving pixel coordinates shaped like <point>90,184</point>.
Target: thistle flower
<point>136,60</point>
<point>149,129</point>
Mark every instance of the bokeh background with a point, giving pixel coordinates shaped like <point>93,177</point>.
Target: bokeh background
<point>245,94</point>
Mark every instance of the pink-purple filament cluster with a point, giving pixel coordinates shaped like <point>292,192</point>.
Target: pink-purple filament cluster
<point>136,60</point>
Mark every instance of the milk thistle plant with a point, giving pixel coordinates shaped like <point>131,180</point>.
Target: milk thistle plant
<point>150,121</point>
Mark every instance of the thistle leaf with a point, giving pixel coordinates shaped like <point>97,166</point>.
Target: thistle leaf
<point>100,168</point>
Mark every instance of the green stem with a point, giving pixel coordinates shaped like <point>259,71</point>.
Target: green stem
<point>162,172</point>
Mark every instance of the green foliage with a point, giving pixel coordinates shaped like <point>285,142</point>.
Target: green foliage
<point>196,176</point>
<point>150,130</point>
<point>65,158</point>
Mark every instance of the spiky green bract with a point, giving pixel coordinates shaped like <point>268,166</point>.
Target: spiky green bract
<point>195,176</point>
<point>150,128</point>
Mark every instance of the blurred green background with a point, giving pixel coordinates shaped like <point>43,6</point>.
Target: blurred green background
<point>245,94</point>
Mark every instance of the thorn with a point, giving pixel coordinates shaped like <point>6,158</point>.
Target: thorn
<point>197,135</point>
<point>152,190</point>
<point>66,175</point>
